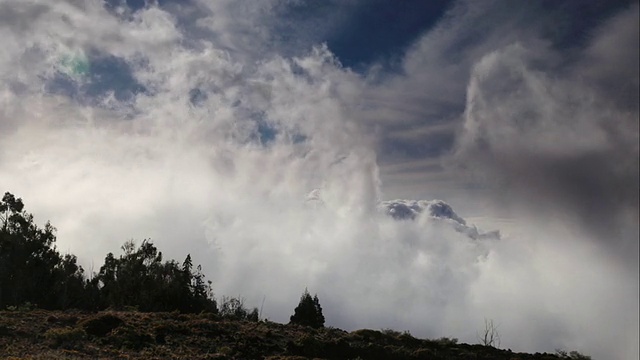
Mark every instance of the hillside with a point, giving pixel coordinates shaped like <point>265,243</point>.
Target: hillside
<point>41,334</point>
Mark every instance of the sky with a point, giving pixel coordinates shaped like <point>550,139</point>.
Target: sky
<point>421,166</point>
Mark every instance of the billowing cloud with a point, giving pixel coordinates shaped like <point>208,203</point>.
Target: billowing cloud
<point>550,138</point>
<point>202,126</point>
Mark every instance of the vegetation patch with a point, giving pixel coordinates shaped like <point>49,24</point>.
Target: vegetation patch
<point>101,325</point>
<point>164,336</point>
<point>130,338</point>
<point>65,337</point>
<point>4,330</point>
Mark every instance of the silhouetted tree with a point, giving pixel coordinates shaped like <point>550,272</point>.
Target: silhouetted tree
<point>308,312</point>
<point>31,270</point>
<point>140,279</point>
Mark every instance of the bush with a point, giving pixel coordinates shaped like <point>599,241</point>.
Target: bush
<point>101,325</point>
<point>573,355</point>
<point>445,341</point>
<point>130,338</point>
<point>369,335</point>
<point>254,315</point>
<point>308,345</point>
<point>233,308</point>
<point>66,337</point>
<point>4,330</point>
<point>391,332</point>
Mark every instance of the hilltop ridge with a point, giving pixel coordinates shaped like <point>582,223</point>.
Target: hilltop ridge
<point>42,334</point>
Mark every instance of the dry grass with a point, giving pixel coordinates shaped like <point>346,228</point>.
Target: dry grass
<point>39,334</point>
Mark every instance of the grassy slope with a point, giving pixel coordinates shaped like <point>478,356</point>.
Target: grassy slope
<point>40,334</point>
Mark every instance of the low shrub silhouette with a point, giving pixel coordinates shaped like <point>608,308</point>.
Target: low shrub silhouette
<point>101,325</point>
<point>233,308</point>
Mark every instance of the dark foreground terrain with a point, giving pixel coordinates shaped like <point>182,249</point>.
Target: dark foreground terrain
<point>40,334</point>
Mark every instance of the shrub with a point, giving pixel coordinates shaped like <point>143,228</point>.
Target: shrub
<point>369,335</point>
<point>233,308</point>
<point>445,341</point>
<point>130,338</point>
<point>63,320</point>
<point>573,355</point>
<point>308,345</point>
<point>4,330</point>
<point>65,336</point>
<point>391,332</point>
<point>254,315</point>
<point>225,350</point>
<point>101,325</point>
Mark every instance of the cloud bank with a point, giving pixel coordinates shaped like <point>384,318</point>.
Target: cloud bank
<point>200,126</point>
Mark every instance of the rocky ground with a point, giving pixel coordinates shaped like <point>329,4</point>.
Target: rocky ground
<point>39,334</point>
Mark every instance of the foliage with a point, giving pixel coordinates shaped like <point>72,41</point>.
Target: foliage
<point>34,274</point>
<point>130,337</point>
<point>309,345</point>
<point>65,337</point>
<point>445,341</point>
<point>101,325</point>
<point>140,279</point>
<point>308,312</point>
<point>233,308</point>
<point>573,355</point>
<point>31,269</point>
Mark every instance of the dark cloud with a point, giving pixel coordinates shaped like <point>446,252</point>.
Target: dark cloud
<point>434,209</point>
<point>553,143</point>
<point>409,111</point>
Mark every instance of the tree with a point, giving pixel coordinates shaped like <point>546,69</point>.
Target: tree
<point>490,336</point>
<point>140,279</point>
<point>308,312</point>
<point>31,270</point>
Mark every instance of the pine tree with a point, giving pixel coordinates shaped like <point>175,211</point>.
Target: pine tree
<point>308,312</point>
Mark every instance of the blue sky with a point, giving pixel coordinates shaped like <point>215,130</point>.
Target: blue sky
<point>376,31</point>
<point>272,140</point>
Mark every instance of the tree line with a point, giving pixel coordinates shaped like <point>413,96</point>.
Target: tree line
<point>33,272</point>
